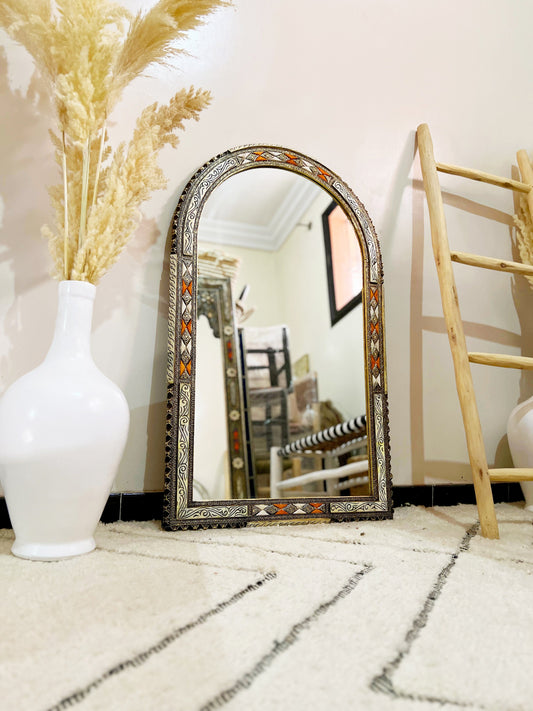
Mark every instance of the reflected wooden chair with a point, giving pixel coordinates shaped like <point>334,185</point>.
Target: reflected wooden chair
<point>346,439</point>
<point>444,258</point>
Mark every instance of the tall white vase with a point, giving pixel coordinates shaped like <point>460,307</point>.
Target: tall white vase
<point>63,427</point>
<point>520,436</point>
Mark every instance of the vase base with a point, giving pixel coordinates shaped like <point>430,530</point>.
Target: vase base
<point>52,551</point>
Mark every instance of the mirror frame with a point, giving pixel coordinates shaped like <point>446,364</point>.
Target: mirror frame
<point>180,511</point>
<point>215,302</point>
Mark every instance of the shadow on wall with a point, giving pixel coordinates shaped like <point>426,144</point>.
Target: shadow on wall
<point>445,470</point>
<point>156,416</point>
<point>27,166</point>
<point>154,477</point>
<point>139,290</point>
<point>148,422</point>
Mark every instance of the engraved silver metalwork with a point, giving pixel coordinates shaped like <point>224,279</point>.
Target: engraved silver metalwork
<point>180,510</point>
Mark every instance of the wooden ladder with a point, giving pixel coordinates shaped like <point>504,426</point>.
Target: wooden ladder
<point>481,474</point>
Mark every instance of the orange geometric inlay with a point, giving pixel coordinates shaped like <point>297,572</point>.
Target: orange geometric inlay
<point>229,348</point>
<point>184,367</point>
<point>259,155</point>
<point>374,362</point>
<point>374,327</point>
<point>374,294</point>
<point>236,441</point>
<point>280,508</point>
<point>292,159</point>
<point>323,175</point>
<point>186,287</point>
<point>316,508</point>
<point>186,326</point>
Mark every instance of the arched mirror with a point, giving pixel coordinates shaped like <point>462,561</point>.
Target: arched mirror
<point>277,397</point>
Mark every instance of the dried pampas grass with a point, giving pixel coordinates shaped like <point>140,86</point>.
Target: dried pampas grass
<point>88,51</point>
<point>524,235</point>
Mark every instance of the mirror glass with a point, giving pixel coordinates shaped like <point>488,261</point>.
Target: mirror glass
<point>297,257</point>
<point>277,389</point>
<point>220,451</point>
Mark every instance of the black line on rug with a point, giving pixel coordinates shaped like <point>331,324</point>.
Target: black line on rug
<point>383,683</point>
<point>362,544</point>
<point>366,543</point>
<point>252,547</point>
<point>516,561</point>
<point>175,559</point>
<point>279,647</point>
<point>141,658</point>
<point>201,542</point>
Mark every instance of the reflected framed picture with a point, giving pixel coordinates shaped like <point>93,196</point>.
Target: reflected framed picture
<point>344,263</point>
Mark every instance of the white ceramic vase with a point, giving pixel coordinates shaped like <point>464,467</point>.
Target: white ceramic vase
<point>63,427</point>
<point>520,436</point>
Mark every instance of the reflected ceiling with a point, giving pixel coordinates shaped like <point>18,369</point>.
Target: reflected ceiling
<point>256,209</point>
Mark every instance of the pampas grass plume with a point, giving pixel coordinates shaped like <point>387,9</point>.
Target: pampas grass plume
<point>88,51</point>
<point>524,235</point>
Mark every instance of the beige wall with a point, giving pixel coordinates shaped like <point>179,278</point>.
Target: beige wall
<point>346,83</point>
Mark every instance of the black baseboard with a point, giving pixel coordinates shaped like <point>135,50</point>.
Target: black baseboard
<point>147,506</point>
<point>451,494</point>
<point>143,506</point>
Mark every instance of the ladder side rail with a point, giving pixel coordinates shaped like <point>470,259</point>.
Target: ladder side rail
<point>454,325</point>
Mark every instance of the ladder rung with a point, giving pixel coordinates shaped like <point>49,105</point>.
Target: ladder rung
<point>484,177</point>
<point>502,361</point>
<point>511,475</point>
<point>500,265</point>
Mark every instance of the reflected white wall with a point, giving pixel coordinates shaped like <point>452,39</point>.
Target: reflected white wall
<point>335,352</point>
<point>211,463</point>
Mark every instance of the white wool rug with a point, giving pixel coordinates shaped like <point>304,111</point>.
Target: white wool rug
<point>415,613</point>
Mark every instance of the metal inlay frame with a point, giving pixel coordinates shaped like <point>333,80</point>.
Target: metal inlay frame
<point>180,510</point>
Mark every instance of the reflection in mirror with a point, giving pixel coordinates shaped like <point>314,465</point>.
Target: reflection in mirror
<point>300,374</point>
<point>294,427</point>
<point>344,262</point>
<point>219,451</point>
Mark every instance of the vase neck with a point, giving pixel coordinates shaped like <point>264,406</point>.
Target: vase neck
<point>72,335</point>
